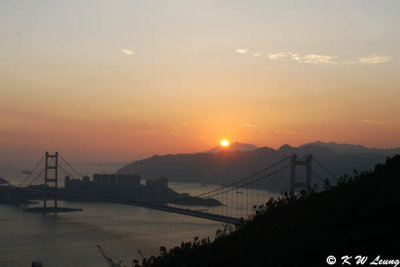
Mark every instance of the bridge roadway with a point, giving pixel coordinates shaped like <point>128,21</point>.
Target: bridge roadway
<point>149,205</point>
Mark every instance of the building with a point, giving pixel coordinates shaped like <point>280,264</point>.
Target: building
<point>86,179</point>
<point>116,179</point>
<point>127,179</point>
<point>96,178</point>
<point>71,183</point>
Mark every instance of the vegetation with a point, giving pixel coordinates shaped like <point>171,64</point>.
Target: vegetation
<point>356,217</point>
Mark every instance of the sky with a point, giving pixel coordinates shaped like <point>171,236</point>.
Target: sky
<point>116,81</point>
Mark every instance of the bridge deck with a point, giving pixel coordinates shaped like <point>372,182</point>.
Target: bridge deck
<point>149,205</point>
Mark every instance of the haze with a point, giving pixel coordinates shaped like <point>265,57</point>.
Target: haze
<point>121,80</point>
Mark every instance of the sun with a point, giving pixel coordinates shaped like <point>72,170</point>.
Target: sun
<point>224,143</point>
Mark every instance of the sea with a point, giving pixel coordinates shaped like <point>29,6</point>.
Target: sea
<point>70,239</point>
<point>123,232</point>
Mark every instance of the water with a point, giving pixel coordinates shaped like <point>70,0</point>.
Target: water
<point>69,239</point>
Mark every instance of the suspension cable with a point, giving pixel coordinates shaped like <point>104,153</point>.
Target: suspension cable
<point>37,176</point>
<point>243,179</point>
<point>70,166</point>
<point>252,182</point>
<point>60,166</point>
<point>29,175</point>
<point>319,177</point>
<point>325,169</point>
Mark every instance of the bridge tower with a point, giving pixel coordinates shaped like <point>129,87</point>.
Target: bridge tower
<point>50,177</point>
<point>294,184</point>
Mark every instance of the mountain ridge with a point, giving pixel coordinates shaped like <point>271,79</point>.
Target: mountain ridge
<point>227,166</point>
<point>352,148</point>
<point>236,146</point>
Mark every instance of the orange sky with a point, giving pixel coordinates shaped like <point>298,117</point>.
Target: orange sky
<point>112,86</point>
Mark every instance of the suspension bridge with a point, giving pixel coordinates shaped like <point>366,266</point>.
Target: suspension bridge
<point>237,200</point>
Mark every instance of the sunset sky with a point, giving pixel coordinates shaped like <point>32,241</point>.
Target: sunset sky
<point>122,80</point>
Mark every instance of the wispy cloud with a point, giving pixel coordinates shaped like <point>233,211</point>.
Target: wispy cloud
<point>247,125</point>
<point>295,56</point>
<point>241,50</point>
<point>309,59</point>
<point>278,55</point>
<point>373,122</point>
<point>256,54</point>
<point>127,51</point>
<point>374,59</point>
<point>319,59</point>
<point>328,59</point>
<point>325,60</point>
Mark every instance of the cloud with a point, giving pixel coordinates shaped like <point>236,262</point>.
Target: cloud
<point>373,122</point>
<point>247,125</point>
<point>325,59</point>
<point>309,59</point>
<point>374,59</point>
<point>319,59</point>
<point>241,50</point>
<point>295,56</point>
<point>328,59</point>
<point>347,62</point>
<point>127,51</point>
<point>278,55</point>
<point>256,54</point>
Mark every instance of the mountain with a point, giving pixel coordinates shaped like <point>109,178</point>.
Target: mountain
<point>228,166</point>
<point>233,147</point>
<point>349,148</point>
<point>3,181</point>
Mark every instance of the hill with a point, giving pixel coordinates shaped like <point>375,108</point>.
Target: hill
<point>353,218</point>
<point>226,166</point>
<point>355,149</point>
<point>233,147</point>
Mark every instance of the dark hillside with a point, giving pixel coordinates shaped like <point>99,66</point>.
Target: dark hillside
<point>357,217</point>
